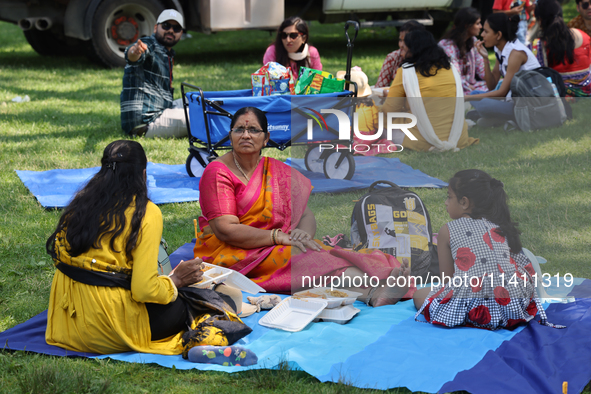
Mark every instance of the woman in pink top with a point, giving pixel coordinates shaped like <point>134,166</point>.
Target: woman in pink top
<point>567,51</point>
<point>458,45</point>
<point>291,47</point>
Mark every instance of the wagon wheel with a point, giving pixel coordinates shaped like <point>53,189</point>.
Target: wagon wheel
<point>196,162</point>
<point>313,160</point>
<point>339,165</point>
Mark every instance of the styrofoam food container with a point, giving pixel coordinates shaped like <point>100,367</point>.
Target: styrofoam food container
<point>209,281</point>
<point>340,315</point>
<point>229,277</point>
<point>292,314</point>
<point>333,302</point>
<point>239,281</point>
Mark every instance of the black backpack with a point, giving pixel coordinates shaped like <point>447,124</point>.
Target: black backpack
<point>555,77</point>
<point>536,104</point>
<point>396,222</point>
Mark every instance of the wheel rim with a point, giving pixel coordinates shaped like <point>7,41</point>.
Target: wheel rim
<point>196,167</point>
<point>125,24</point>
<point>339,172</point>
<point>313,162</point>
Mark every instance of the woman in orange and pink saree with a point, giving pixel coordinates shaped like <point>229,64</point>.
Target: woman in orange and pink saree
<point>255,220</point>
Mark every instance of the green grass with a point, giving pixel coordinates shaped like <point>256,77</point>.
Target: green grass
<point>74,113</point>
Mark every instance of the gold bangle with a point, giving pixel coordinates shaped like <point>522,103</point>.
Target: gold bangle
<point>277,231</point>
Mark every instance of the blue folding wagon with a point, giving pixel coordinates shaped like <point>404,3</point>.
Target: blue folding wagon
<point>208,116</point>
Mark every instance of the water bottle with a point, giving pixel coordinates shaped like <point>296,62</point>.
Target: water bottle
<point>556,94</point>
<point>559,101</point>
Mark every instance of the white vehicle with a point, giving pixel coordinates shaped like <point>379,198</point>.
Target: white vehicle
<point>64,27</point>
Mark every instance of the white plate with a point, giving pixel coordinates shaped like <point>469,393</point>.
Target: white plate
<point>333,302</point>
<point>340,315</point>
<point>292,314</point>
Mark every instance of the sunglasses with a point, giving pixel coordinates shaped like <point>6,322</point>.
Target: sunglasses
<point>167,26</point>
<point>584,4</point>
<point>293,36</point>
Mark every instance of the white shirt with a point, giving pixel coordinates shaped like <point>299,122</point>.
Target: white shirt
<point>503,57</point>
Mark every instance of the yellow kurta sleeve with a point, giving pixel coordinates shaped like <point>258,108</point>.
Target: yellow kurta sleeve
<point>394,101</point>
<point>146,284</point>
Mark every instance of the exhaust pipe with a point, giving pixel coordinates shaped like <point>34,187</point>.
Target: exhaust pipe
<point>43,24</point>
<point>27,23</point>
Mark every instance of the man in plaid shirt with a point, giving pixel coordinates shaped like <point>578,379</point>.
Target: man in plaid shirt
<point>583,20</point>
<point>147,106</point>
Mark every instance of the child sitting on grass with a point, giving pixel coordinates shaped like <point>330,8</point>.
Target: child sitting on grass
<point>486,278</point>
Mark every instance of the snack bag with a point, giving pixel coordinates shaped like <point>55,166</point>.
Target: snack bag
<point>272,79</point>
<point>259,87</point>
<point>316,84</point>
<point>315,81</point>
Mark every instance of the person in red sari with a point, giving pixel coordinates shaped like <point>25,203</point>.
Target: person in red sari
<point>565,49</point>
<point>255,220</point>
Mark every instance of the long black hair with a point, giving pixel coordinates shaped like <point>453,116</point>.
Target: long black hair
<point>98,210</point>
<point>556,35</point>
<point>281,55</point>
<point>489,201</point>
<point>425,53</point>
<point>465,18</point>
<point>499,21</point>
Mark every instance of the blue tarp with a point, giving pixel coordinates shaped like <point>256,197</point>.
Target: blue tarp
<point>170,183</point>
<point>367,171</point>
<point>55,188</point>
<point>385,347</point>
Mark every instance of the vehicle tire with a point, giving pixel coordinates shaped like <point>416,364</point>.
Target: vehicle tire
<point>116,24</point>
<point>52,42</point>
<point>345,170</point>
<point>312,159</point>
<point>195,162</point>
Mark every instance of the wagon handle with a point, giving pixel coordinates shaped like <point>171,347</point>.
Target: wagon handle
<point>356,25</point>
<point>350,43</point>
<point>186,105</point>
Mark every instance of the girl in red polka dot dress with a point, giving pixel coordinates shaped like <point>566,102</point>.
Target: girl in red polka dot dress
<point>487,279</point>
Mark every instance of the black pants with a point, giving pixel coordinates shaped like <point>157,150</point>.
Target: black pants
<point>170,319</point>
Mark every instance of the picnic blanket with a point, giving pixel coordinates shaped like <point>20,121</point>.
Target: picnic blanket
<point>170,183</point>
<point>55,188</point>
<point>385,347</point>
<point>367,171</point>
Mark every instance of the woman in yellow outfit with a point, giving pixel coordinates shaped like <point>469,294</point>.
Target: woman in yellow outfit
<point>432,88</point>
<point>107,295</point>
